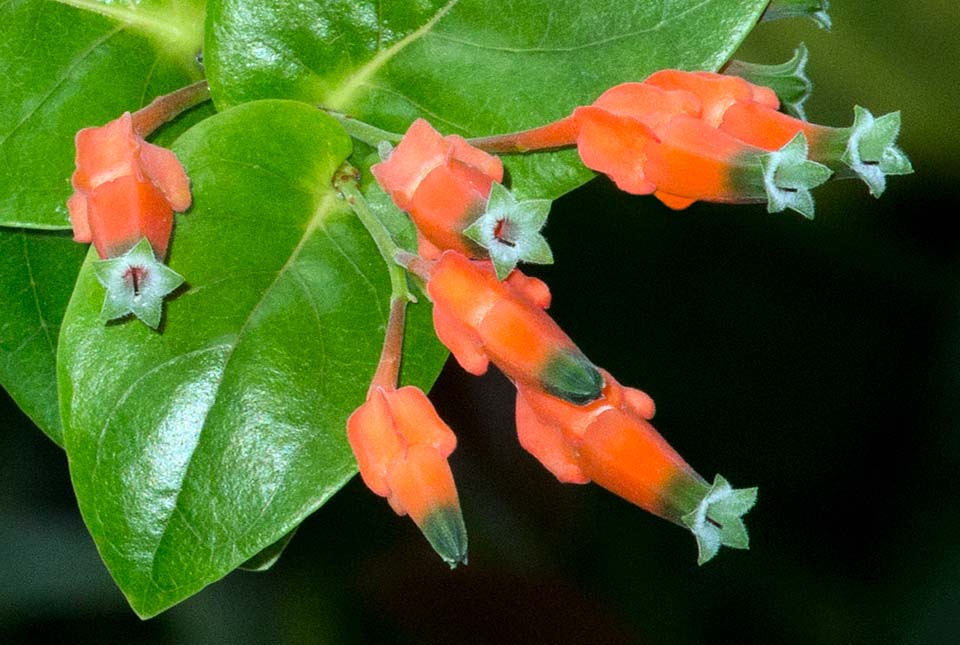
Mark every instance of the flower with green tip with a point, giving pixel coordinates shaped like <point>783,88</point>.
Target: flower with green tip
<point>136,283</point>
<point>402,448</point>
<point>611,442</point>
<point>510,230</point>
<point>867,149</point>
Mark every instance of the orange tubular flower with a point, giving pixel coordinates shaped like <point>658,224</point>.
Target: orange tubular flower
<point>443,182</point>
<point>749,113</point>
<point>125,193</point>
<point>651,139</point>
<point>611,442</point>
<point>482,319</point>
<point>125,189</point>
<point>402,446</point>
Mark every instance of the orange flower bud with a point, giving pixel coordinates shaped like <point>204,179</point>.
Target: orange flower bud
<point>611,442</point>
<point>443,182</point>
<point>482,319</point>
<point>402,446</point>
<point>125,189</point>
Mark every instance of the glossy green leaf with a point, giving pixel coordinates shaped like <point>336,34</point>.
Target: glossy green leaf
<point>475,67</point>
<point>37,272</point>
<point>193,449</point>
<point>72,64</point>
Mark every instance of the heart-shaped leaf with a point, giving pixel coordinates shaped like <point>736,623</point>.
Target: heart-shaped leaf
<point>37,272</point>
<point>71,64</point>
<point>475,67</point>
<point>193,449</point>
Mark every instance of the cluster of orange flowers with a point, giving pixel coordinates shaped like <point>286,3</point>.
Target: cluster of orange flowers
<point>682,136</point>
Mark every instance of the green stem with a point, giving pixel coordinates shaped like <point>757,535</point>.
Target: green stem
<point>388,369</point>
<point>169,106</point>
<point>362,131</point>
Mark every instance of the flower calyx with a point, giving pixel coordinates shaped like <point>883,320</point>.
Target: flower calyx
<point>510,230</point>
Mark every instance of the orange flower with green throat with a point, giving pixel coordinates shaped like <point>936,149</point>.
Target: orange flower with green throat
<point>481,319</point>
<point>611,442</point>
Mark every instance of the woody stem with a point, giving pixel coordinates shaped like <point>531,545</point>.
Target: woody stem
<point>169,106</point>
<point>558,134</point>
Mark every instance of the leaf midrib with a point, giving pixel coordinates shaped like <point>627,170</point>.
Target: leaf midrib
<point>343,96</point>
<point>151,23</point>
<point>323,210</point>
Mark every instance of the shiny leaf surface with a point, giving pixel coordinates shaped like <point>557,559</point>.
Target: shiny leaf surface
<point>194,449</point>
<point>474,67</point>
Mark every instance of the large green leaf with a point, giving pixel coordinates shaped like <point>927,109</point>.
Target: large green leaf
<point>37,272</point>
<point>475,67</point>
<point>193,449</point>
<point>73,64</point>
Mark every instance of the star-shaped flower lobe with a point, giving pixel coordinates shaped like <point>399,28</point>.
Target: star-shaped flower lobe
<point>788,177</point>
<point>717,520</point>
<point>510,230</point>
<point>872,152</point>
<point>136,283</point>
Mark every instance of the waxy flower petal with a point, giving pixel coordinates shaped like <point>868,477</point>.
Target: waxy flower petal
<point>402,446</point>
<point>481,319</point>
<point>443,182</point>
<point>125,189</point>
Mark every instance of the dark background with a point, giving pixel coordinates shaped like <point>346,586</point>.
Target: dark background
<point>817,360</point>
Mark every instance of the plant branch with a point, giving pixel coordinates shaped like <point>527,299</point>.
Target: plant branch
<point>167,107</point>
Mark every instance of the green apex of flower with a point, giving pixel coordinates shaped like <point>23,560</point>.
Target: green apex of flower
<point>136,283</point>
<point>871,149</point>
<point>716,521</point>
<point>788,177</point>
<point>789,80</point>
<point>510,230</point>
